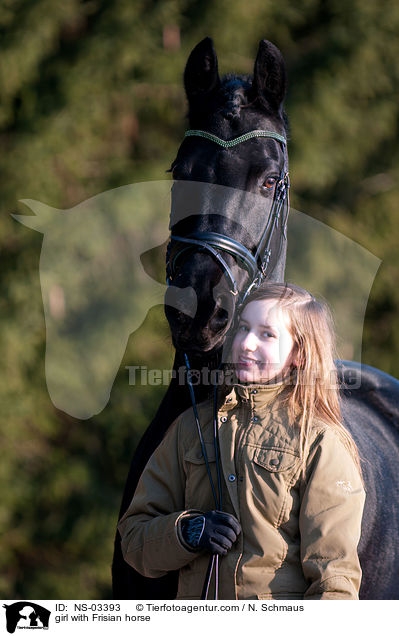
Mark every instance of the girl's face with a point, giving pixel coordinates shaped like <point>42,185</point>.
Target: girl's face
<point>263,346</point>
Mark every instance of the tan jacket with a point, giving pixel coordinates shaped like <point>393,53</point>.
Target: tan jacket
<point>299,531</point>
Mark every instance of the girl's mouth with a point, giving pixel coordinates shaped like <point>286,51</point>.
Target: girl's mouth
<point>246,363</point>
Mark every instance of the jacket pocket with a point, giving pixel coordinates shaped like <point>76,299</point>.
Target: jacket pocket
<point>195,456</point>
<point>198,491</point>
<point>275,459</point>
<point>271,471</point>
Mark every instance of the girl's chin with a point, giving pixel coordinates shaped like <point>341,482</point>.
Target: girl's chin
<point>249,377</point>
<point>254,375</point>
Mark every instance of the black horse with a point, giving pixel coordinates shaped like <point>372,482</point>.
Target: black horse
<point>211,252</point>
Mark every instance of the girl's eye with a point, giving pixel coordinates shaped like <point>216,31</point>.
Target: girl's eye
<point>269,334</point>
<point>269,183</point>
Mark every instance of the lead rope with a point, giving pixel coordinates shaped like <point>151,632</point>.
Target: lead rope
<point>214,559</point>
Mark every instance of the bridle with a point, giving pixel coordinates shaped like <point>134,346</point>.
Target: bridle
<point>217,244</point>
<point>256,266</point>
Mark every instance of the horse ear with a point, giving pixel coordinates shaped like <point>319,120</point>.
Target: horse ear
<point>269,81</point>
<point>201,75</point>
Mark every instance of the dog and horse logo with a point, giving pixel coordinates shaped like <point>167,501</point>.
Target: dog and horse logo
<point>26,615</point>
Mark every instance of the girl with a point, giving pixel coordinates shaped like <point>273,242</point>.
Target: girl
<point>290,496</point>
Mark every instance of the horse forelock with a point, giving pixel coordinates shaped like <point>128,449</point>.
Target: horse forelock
<point>234,91</point>
<point>235,97</point>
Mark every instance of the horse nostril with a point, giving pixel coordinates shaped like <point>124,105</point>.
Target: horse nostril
<point>219,319</point>
<point>221,314</point>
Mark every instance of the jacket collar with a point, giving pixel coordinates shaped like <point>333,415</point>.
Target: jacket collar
<point>257,395</point>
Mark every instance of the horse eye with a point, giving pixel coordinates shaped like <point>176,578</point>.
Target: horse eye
<point>269,183</point>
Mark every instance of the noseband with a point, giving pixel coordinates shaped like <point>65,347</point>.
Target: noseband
<point>213,243</point>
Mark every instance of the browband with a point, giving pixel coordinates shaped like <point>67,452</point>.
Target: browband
<point>237,140</point>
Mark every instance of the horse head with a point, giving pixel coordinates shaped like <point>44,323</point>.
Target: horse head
<point>227,233</point>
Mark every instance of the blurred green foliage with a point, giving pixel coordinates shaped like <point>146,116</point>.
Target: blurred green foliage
<point>91,99</point>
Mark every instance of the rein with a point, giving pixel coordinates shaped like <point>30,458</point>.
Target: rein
<point>256,266</point>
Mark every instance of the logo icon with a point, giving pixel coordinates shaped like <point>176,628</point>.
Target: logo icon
<point>26,615</point>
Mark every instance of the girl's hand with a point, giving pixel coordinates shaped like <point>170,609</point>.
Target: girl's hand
<point>214,531</point>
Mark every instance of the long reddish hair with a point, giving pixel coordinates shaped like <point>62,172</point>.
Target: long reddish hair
<point>313,390</point>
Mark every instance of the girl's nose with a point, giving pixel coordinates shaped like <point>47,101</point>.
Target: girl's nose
<point>249,343</point>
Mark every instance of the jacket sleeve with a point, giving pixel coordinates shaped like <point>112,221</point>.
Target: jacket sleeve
<point>149,529</point>
<point>330,521</point>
